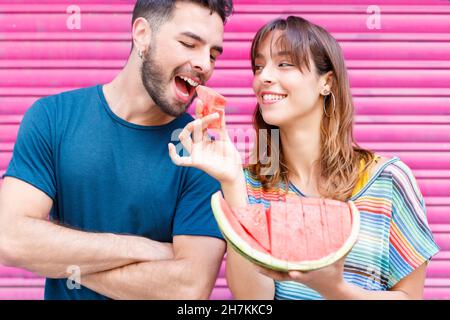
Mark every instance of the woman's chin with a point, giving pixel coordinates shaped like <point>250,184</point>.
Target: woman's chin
<point>273,120</point>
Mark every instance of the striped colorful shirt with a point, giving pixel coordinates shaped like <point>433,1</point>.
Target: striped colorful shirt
<point>394,236</point>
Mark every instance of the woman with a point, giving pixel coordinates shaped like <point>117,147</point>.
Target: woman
<point>302,89</point>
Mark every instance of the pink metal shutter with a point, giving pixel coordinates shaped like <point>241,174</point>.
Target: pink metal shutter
<point>399,75</point>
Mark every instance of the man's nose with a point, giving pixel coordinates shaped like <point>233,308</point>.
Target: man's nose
<point>202,64</point>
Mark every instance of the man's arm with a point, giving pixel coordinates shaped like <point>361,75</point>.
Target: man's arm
<point>29,240</point>
<point>190,275</point>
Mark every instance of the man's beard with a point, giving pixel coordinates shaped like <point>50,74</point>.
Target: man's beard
<point>152,76</point>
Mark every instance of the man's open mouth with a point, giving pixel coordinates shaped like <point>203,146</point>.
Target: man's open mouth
<point>186,85</point>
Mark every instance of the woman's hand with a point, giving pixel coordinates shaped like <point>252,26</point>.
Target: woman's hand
<point>325,280</point>
<point>219,158</point>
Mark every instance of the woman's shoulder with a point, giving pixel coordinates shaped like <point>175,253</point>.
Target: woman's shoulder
<point>394,165</point>
<point>402,175</point>
<point>381,167</point>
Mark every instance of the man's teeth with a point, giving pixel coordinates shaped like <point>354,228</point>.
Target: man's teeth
<point>190,81</point>
<point>273,97</point>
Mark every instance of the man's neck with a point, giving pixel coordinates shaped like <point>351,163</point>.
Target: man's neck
<point>129,100</point>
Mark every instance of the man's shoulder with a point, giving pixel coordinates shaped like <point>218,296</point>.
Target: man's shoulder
<point>67,97</point>
<point>53,107</point>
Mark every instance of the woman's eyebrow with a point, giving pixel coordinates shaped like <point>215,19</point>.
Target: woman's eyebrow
<point>282,53</point>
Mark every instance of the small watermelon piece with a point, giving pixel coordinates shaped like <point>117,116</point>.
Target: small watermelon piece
<point>212,102</point>
<point>253,219</point>
<point>303,233</point>
<point>278,229</point>
<point>313,231</point>
<point>295,233</point>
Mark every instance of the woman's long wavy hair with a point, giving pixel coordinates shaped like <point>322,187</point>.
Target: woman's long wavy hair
<point>340,155</point>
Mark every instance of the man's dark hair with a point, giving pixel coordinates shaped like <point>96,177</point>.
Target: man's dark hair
<point>159,11</point>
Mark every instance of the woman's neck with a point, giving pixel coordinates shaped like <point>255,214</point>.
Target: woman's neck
<point>301,150</point>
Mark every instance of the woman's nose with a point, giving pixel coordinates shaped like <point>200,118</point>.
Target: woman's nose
<point>266,76</point>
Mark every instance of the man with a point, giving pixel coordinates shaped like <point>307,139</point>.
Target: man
<point>124,220</point>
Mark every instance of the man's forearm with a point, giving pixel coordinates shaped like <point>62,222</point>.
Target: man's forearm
<point>49,249</point>
<point>171,279</point>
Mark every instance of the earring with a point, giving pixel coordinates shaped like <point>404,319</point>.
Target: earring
<point>325,95</point>
<point>140,53</point>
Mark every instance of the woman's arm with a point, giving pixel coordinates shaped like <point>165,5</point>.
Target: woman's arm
<point>410,287</point>
<point>330,283</point>
<point>243,278</point>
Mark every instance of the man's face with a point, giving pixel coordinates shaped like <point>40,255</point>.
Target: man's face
<point>182,55</point>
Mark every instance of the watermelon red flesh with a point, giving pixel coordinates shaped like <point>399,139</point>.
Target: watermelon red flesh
<point>212,102</point>
<point>307,229</point>
<point>295,233</point>
<point>238,228</point>
<point>314,232</point>
<point>254,220</point>
<point>339,220</point>
<point>303,233</point>
<point>278,230</point>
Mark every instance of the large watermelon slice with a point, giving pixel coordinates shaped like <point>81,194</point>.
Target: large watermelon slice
<point>296,234</point>
<point>212,102</point>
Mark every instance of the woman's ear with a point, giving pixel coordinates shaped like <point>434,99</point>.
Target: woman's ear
<point>326,83</point>
<point>141,35</point>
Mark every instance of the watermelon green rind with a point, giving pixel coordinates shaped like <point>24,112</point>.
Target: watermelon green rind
<point>231,234</point>
<point>269,261</point>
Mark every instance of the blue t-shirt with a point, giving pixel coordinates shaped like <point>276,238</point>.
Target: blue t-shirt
<point>105,174</point>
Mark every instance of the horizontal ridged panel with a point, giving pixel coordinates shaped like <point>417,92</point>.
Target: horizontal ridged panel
<point>234,50</point>
<point>226,78</point>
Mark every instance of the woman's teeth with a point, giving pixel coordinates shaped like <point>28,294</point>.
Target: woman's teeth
<point>273,97</point>
<point>190,81</point>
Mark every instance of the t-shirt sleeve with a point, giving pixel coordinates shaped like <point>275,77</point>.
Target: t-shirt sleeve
<point>193,214</point>
<point>32,159</point>
<point>411,242</point>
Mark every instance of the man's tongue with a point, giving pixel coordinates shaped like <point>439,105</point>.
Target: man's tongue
<point>182,85</point>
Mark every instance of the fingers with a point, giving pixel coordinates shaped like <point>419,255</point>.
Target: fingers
<point>296,275</point>
<point>185,139</point>
<point>283,276</point>
<point>198,127</point>
<point>276,275</point>
<point>207,120</point>
<point>198,109</point>
<point>198,130</point>
<point>223,133</point>
<point>179,161</point>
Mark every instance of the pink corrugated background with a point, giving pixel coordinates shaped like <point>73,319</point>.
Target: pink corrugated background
<point>400,78</point>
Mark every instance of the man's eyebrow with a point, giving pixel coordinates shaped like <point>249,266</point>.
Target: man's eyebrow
<point>201,40</point>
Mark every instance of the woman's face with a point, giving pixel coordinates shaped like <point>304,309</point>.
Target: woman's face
<point>284,92</point>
